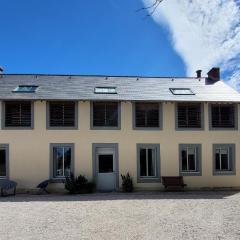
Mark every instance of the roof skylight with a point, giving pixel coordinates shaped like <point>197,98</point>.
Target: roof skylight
<point>181,91</point>
<point>25,89</point>
<point>105,90</point>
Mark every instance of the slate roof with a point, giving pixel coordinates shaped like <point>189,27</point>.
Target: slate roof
<point>65,87</point>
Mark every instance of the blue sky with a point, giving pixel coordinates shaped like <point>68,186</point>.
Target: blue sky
<point>84,37</point>
<point>205,33</point>
<point>109,37</point>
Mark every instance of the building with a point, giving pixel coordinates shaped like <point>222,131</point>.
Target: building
<point>102,127</point>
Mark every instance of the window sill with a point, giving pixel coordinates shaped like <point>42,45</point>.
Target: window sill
<point>17,128</point>
<point>223,129</point>
<point>189,129</point>
<point>226,173</point>
<point>3,178</point>
<point>57,180</point>
<point>149,180</point>
<point>105,128</point>
<point>190,174</point>
<point>62,128</point>
<point>148,128</point>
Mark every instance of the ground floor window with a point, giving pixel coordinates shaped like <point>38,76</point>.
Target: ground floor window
<point>3,160</point>
<point>224,158</point>
<point>148,158</point>
<point>190,159</point>
<point>61,160</point>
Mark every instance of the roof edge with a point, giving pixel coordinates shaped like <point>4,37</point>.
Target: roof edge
<point>94,75</point>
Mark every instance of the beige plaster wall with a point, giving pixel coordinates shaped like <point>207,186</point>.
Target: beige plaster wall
<point>29,156</point>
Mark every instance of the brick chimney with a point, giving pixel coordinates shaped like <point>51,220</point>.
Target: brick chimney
<point>199,73</point>
<point>214,74</point>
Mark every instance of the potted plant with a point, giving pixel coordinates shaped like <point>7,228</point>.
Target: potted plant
<point>127,183</point>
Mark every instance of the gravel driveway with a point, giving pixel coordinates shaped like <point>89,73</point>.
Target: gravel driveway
<point>183,215</point>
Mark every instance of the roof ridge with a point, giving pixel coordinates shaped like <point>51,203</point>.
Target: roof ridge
<point>94,75</point>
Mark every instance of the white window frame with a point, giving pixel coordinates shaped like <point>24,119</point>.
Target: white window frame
<point>147,178</point>
<point>195,160</point>
<point>231,147</point>
<point>155,163</point>
<point>220,158</point>
<point>52,170</point>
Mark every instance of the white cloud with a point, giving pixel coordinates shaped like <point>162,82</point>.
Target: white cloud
<point>205,33</point>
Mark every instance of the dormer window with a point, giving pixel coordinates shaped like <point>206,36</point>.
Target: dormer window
<point>181,91</point>
<point>26,89</point>
<point>105,90</point>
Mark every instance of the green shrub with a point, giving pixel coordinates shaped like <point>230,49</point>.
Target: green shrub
<point>127,183</point>
<point>70,184</point>
<point>79,184</point>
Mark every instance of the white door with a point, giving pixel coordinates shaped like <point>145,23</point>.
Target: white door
<point>106,169</point>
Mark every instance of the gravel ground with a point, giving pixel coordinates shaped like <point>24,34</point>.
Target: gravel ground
<point>183,215</point>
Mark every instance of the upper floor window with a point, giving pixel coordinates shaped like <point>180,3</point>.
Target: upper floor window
<point>223,116</point>
<point>224,159</point>
<point>62,114</point>
<point>18,114</point>
<point>189,115</point>
<point>147,115</point>
<point>105,115</point>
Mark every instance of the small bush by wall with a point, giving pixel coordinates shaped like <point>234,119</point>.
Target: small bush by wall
<point>127,183</point>
<point>78,185</point>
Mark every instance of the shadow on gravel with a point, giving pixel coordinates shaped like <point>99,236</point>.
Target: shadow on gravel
<point>120,196</point>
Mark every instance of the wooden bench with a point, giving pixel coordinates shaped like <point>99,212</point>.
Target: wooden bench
<point>6,185</point>
<point>173,181</point>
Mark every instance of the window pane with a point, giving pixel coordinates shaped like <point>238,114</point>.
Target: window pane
<point>147,114</point>
<point>194,116</point>
<point>112,114</point>
<point>151,162</point>
<point>227,116</point>
<point>3,171</point>
<point>143,162</point>
<point>191,159</point>
<point>217,159</point>
<point>67,161</point>
<point>58,161</point>
<point>99,114</point>
<point>140,117</point>
<point>105,162</point>
<point>153,117</point>
<point>182,116</point>
<point>224,159</point>
<point>69,114</point>
<point>184,159</point>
